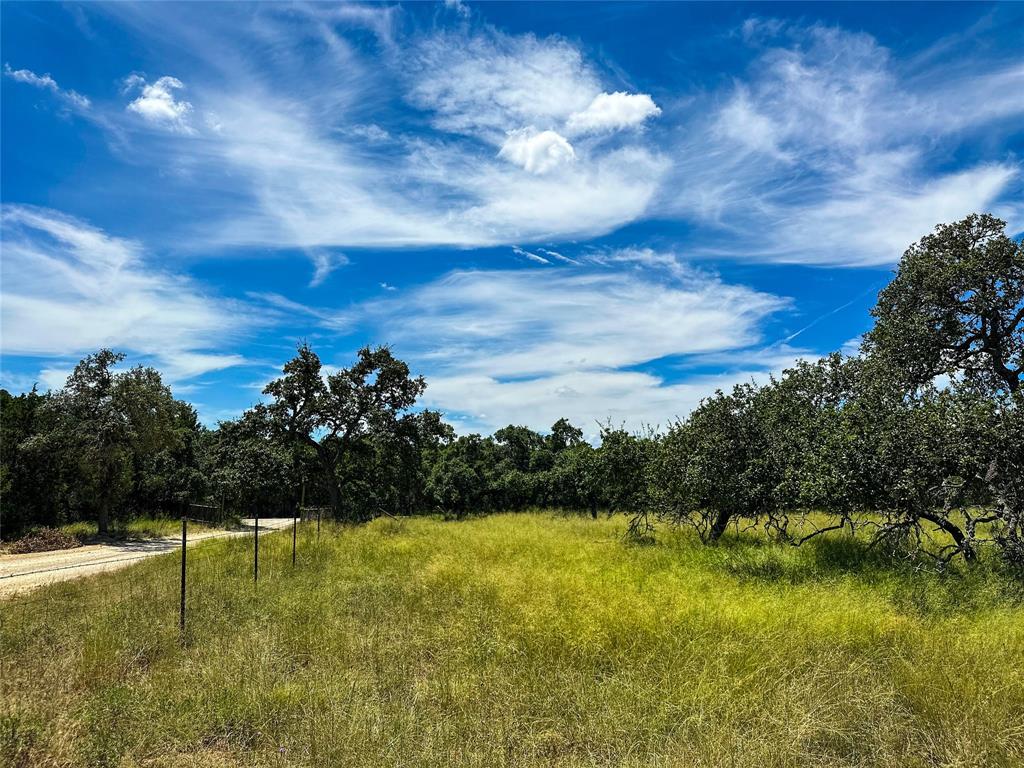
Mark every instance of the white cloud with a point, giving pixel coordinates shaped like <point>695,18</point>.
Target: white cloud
<point>156,103</point>
<point>480,403</point>
<point>324,263</point>
<point>378,18</point>
<point>643,258</point>
<point>303,149</point>
<point>584,199</point>
<point>612,112</point>
<point>825,154</point>
<point>517,139</point>
<point>31,78</point>
<point>529,255</point>
<point>967,101</point>
<point>70,289</point>
<point>182,365</point>
<point>46,82</point>
<point>875,224</point>
<point>530,346</point>
<point>371,132</point>
<point>54,377</point>
<point>536,151</point>
<point>309,190</point>
<point>458,7</point>
<point>740,122</point>
<point>488,83</point>
<point>524,322</point>
<point>284,308</point>
<point>559,256</point>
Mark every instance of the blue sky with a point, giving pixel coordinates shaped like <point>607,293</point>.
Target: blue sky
<point>599,211</point>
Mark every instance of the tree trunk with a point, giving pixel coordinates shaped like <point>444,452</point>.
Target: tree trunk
<point>103,517</point>
<point>333,491</point>
<point>719,525</point>
<point>961,541</point>
<point>328,463</point>
<point>104,486</point>
<point>593,508</point>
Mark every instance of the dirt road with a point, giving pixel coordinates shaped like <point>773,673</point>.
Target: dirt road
<point>22,573</point>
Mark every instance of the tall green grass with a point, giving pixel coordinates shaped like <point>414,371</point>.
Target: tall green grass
<point>518,640</point>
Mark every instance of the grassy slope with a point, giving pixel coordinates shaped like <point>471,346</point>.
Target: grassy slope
<point>517,640</point>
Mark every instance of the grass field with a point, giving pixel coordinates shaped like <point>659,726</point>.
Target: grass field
<point>517,640</point>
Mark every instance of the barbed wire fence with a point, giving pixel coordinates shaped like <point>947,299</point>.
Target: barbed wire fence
<point>173,598</point>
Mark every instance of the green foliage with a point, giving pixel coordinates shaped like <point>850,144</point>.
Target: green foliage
<point>248,469</point>
<point>720,455</point>
<point>932,468</point>
<point>341,413</point>
<point>107,443</point>
<point>621,469</point>
<point>956,306</point>
<point>519,469</point>
<point>457,483</point>
<point>33,487</point>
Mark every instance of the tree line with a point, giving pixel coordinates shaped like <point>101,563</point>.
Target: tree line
<point>918,438</point>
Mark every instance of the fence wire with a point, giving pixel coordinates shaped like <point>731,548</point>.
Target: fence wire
<point>140,605</point>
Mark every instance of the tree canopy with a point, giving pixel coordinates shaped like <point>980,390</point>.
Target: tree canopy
<point>955,306</point>
<point>331,413</point>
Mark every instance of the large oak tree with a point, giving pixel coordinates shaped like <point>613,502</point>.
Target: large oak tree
<point>956,305</point>
<point>104,424</point>
<point>331,413</point>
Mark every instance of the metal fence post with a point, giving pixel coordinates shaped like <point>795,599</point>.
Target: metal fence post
<point>256,549</point>
<point>184,545</point>
<point>295,530</point>
<point>318,523</point>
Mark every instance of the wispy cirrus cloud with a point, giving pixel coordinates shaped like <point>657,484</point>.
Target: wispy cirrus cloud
<point>47,83</point>
<point>824,133</point>
<point>312,190</point>
<point>70,288</point>
<point>631,399</point>
<point>318,160</point>
<point>320,130</point>
<point>827,153</point>
<point>486,82</point>
<point>324,263</point>
<point>529,255</point>
<point>527,346</point>
<point>588,337</point>
<point>827,149</point>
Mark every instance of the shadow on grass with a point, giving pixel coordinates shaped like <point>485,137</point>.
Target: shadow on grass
<point>913,585</point>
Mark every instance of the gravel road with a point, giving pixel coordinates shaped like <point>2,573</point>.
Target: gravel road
<point>22,573</point>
